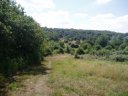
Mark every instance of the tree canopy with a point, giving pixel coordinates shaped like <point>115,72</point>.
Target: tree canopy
<point>21,38</point>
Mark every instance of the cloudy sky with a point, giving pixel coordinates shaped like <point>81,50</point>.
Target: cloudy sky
<point>80,14</point>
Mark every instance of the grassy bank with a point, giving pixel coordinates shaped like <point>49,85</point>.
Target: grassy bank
<point>87,77</point>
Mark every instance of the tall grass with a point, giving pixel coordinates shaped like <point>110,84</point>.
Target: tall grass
<point>87,77</point>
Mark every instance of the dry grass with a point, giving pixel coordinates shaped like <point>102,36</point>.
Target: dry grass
<point>87,77</point>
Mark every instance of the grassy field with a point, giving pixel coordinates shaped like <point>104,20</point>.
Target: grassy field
<point>87,77</point>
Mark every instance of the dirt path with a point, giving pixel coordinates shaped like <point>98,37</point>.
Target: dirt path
<point>34,85</point>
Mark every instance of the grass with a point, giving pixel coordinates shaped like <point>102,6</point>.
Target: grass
<point>87,77</point>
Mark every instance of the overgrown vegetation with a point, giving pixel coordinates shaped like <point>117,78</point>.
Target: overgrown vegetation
<point>107,44</point>
<point>87,77</point>
<point>21,39</point>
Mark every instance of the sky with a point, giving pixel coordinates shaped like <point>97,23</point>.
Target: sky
<point>79,14</point>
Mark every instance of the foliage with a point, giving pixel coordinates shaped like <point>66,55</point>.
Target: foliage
<point>94,42</point>
<point>120,58</point>
<point>80,51</point>
<point>98,47</point>
<point>126,48</point>
<point>102,40</point>
<point>68,49</point>
<point>21,39</point>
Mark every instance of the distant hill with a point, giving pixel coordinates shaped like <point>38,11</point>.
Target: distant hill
<point>79,34</point>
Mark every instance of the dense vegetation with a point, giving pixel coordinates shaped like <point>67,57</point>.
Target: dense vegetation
<point>21,39</point>
<point>107,44</point>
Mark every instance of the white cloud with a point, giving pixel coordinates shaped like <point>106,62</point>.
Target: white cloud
<point>109,22</point>
<point>36,5</point>
<point>108,15</point>
<point>101,22</point>
<point>52,18</point>
<point>103,1</point>
<point>81,14</point>
<point>46,13</point>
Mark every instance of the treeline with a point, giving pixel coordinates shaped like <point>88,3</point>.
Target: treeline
<point>107,44</point>
<point>21,39</point>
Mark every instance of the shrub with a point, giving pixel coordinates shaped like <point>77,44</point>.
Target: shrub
<point>121,52</point>
<point>109,47</point>
<point>103,52</point>
<point>119,58</point>
<point>76,56</point>
<point>47,52</point>
<point>11,66</point>
<point>86,46</point>
<point>92,52</point>
<point>72,51</point>
<point>68,49</point>
<point>2,85</point>
<point>74,45</point>
<point>98,47</point>
<point>126,48</point>
<point>122,46</point>
<point>2,80</point>
<point>80,51</point>
<point>61,44</point>
<point>61,50</point>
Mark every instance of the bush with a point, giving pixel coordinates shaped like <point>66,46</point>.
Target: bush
<point>2,81</point>
<point>126,48</point>
<point>92,52</point>
<point>68,49</point>
<point>72,51</point>
<point>119,58</point>
<point>76,56</point>
<point>109,47</point>
<point>98,47</point>
<point>47,52</point>
<point>122,46</point>
<point>11,66</point>
<point>86,46</point>
<point>2,85</point>
<point>103,52</point>
<point>121,52</point>
<point>21,38</point>
<point>74,45</point>
<point>80,51</point>
<point>61,50</point>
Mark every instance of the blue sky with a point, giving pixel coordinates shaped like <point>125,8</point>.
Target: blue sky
<point>80,14</point>
<point>92,7</point>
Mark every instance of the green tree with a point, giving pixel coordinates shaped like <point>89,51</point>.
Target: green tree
<point>80,51</point>
<point>21,38</point>
<point>102,40</point>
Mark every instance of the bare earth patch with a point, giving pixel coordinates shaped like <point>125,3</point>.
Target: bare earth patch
<point>34,85</point>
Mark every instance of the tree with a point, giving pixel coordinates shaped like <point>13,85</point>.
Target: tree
<point>68,49</point>
<point>98,47</point>
<point>80,51</point>
<point>116,41</point>
<point>21,38</point>
<point>102,40</point>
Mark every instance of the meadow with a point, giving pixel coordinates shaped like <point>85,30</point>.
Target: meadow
<point>87,77</point>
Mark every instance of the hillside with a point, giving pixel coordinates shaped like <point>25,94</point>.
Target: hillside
<point>79,34</point>
<point>108,44</point>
